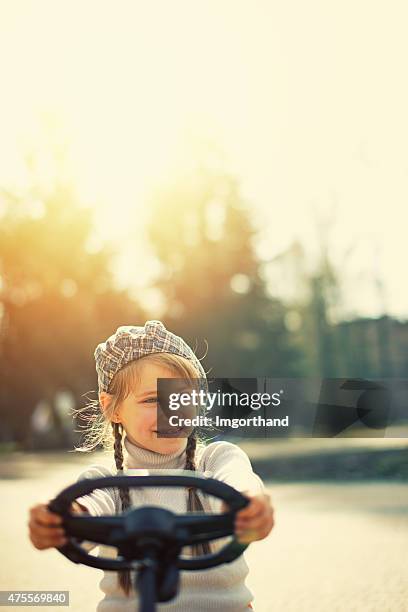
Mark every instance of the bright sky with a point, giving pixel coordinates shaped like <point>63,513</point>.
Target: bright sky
<point>307,99</point>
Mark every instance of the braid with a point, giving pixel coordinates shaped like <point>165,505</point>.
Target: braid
<point>125,580</point>
<point>190,452</point>
<point>194,503</point>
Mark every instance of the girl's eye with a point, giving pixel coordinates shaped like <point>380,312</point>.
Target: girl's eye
<point>150,399</point>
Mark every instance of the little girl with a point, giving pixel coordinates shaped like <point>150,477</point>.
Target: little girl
<point>125,421</point>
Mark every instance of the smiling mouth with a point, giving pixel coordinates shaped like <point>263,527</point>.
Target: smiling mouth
<point>172,431</point>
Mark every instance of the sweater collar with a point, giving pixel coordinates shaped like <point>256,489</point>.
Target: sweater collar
<point>137,457</point>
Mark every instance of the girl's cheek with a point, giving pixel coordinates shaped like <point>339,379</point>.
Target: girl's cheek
<point>152,424</point>
<point>148,419</point>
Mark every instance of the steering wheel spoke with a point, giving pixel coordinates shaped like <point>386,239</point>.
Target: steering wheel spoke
<point>87,528</point>
<point>199,527</point>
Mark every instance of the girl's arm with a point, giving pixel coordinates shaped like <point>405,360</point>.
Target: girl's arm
<point>100,501</point>
<point>97,503</point>
<point>229,463</point>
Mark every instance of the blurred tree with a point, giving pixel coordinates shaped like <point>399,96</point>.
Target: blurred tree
<point>334,345</point>
<point>202,234</point>
<point>58,302</point>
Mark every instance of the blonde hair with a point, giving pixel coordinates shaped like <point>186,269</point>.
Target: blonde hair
<point>101,430</point>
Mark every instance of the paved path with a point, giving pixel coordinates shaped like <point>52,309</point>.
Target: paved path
<point>340,547</point>
<point>334,548</point>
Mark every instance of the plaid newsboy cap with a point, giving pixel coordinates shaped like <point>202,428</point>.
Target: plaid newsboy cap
<point>131,342</point>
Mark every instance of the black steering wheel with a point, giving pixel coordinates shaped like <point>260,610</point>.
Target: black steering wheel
<point>150,539</point>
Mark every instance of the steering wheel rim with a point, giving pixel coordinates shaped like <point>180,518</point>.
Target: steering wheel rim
<point>236,501</point>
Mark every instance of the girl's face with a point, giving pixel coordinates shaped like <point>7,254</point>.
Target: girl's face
<point>138,412</point>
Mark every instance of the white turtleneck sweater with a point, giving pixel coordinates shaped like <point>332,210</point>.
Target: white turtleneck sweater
<point>220,588</point>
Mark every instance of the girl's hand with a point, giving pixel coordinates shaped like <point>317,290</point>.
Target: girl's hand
<point>256,520</point>
<point>45,529</point>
